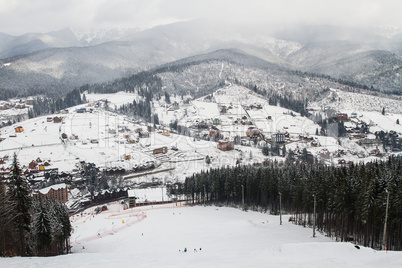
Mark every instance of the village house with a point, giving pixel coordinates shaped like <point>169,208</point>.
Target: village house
<point>19,129</point>
<point>161,150</point>
<point>57,119</point>
<point>225,145</point>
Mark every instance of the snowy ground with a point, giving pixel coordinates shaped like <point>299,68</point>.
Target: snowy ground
<point>43,139</point>
<point>156,236</point>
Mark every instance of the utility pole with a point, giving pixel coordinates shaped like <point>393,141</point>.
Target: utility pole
<point>242,194</point>
<point>204,195</point>
<point>176,192</point>
<point>314,218</point>
<point>385,223</point>
<point>280,208</point>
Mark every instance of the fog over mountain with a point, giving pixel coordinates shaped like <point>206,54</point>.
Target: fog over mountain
<point>101,41</point>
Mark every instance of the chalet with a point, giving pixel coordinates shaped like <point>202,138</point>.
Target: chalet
<point>19,129</point>
<point>49,119</point>
<point>166,133</point>
<point>107,195</point>
<point>81,110</point>
<point>342,117</point>
<point>32,164</point>
<point>57,191</point>
<point>376,152</point>
<point>127,157</point>
<point>151,128</point>
<point>252,132</point>
<point>1,161</point>
<point>225,145</point>
<point>215,132</point>
<point>224,110</point>
<point>65,111</point>
<point>20,106</point>
<point>144,134</point>
<point>161,150</point>
<point>57,119</point>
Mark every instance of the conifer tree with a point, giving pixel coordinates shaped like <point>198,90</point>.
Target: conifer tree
<point>43,229</point>
<point>19,195</point>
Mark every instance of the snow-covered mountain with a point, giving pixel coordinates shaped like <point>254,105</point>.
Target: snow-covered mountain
<point>64,60</point>
<point>11,46</point>
<point>91,37</point>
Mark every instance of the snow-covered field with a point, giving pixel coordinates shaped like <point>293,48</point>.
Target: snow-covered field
<point>98,139</point>
<point>156,236</point>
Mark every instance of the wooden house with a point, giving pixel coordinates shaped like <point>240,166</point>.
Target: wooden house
<point>252,132</point>
<point>225,145</point>
<point>19,129</point>
<point>342,117</point>
<point>161,150</point>
<point>32,164</point>
<point>57,119</point>
<point>144,134</point>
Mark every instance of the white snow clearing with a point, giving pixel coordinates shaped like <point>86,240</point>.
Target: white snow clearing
<point>156,236</point>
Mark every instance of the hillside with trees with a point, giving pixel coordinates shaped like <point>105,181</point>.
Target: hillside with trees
<point>351,201</point>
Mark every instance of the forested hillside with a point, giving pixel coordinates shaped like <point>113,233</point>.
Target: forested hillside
<point>350,201</point>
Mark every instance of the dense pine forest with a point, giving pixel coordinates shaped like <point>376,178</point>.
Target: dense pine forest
<point>350,200</point>
<point>31,227</point>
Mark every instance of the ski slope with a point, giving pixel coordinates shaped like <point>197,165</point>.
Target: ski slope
<point>156,236</point>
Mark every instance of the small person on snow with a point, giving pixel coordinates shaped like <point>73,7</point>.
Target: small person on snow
<point>195,250</point>
<point>185,249</point>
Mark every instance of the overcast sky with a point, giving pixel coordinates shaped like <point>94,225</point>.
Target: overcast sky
<point>21,16</point>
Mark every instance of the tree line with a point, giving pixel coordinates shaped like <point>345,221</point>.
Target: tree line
<point>31,227</point>
<point>350,200</point>
<point>42,106</point>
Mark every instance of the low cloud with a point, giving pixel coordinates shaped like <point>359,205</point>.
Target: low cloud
<point>22,16</point>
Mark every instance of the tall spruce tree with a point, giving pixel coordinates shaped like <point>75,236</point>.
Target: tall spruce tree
<point>18,192</point>
<point>43,229</point>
